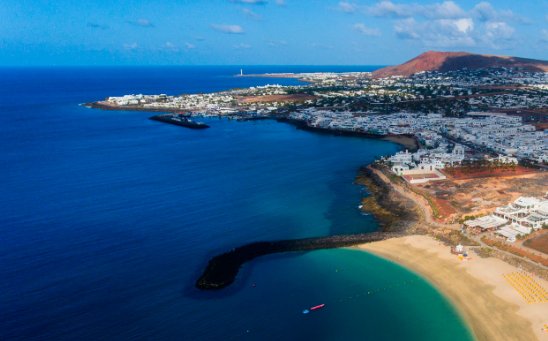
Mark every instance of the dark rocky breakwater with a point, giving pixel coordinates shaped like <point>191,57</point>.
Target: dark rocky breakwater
<point>395,214</point>
<point>222,269</point>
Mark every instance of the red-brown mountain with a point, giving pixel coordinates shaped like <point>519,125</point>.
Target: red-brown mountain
<point>451,61</point>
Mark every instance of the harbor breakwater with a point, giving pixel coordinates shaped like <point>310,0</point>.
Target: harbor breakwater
<point>394,213</point>
<point>222,269</point>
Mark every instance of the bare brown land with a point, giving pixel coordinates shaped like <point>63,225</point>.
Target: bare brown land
<point>515,249</point>
<point>491,307</point>
<point>477,195</point>
<point>541,126</point>
<point>460,173</point>
<point>539,241</point>
<point>293,98</point>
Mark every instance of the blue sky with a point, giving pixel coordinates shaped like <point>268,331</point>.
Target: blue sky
<point>62,32</point>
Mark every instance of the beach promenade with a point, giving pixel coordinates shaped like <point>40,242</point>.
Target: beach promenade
<point>478,288</point>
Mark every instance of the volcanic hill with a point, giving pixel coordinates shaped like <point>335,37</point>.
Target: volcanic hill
<point>452,61</point>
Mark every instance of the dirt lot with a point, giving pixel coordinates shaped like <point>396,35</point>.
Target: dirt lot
<point>482,195</point>
<point>538,242</point>
<point>461,173</point>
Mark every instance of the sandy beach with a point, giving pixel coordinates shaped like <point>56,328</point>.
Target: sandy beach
<point>491,307</point>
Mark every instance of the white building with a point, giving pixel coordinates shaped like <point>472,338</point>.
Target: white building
<point>528,212</point>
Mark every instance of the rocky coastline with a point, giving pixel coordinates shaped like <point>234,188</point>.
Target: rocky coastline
<point>409,142</point>
<point>393,212</point>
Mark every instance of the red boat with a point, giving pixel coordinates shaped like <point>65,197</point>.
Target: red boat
<point>316,307</point>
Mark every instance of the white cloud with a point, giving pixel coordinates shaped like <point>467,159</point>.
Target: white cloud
<point>130,46</point>
<point>97,26</point>
<point>169,46</point>
<point>141,23</point>
<point>441,10</point>
<point>250,2</point>
<point>437,33</point>
<point>280,2</point>
<point>498,34</point>
<point>446,9</point>
<point>446,24</point>
<point>241,46</point>
<point>407,29</point>
<point>249,13</point>
<point>388,8</point>
<point>231,29</point>
<point>368,31</point>
<point>464,25</point>
<point>544,35</point>
<point>321,46</point>
<point>460,32</point>
<point>276,43</point>
<point>189,46</point>
<point>499,30</point>
<point>347,7</point>
<point>484,11</point>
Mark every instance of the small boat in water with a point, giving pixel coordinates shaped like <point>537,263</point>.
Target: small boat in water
<point>316,307</point>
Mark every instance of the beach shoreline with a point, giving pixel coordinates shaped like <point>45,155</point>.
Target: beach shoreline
<point>476,288</point>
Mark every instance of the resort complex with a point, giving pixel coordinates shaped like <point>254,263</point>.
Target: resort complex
<point>520,218</point>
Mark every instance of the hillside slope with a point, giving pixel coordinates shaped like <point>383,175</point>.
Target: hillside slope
<point>451,61</point>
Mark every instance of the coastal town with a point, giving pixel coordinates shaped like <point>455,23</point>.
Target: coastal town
<point>499,111</point>
<point>274,170</point>
<point>451,94</point>
<point>472,170</point>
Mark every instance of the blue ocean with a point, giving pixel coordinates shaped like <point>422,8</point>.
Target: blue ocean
<point>107,219</point>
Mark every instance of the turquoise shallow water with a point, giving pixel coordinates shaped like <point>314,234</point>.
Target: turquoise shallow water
<point>366,297</point>
<point>107,218</point>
